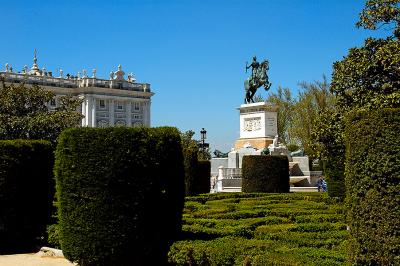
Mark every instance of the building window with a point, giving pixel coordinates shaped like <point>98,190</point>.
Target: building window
<point>120,106</point>
<point>102,104</point>
<point>137,106</point>
<point>53,102</point>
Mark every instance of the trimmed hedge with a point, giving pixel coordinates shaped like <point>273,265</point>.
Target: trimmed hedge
<point>201,183</point>
<point>190,160</point>
<point>265,173</point>
<point>120,193</point>
<point>236,229</point>
<point>372,185</point>
<point>26,193</point>
<point>334,171</point>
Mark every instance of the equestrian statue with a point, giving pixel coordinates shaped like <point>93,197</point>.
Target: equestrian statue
<point>257,79</point>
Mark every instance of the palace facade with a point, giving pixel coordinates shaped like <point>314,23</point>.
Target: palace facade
<point>106,102</point>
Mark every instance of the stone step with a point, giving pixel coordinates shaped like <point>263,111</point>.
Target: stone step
<point>303,189</point>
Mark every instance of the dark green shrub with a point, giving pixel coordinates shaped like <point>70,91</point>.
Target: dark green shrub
<point>201,182</point>
<point>265,173</point>
<point>372,185</point>
<point>120,194</point>
<point>190,163</point>
<point>26,193</point>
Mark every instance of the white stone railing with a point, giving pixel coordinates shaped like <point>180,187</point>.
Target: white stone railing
<point>73,82</point>
<point>229,173</point>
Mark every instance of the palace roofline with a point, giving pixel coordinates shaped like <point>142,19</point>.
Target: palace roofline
<point>35,76</point>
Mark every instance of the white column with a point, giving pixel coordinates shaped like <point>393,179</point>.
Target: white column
<point>128,114</point>
<point>219,178</point>
<point>93,112</point>
<point>146,113</point>
<point>88,112</point>
<point>84,112</point>
<point>112,104</point>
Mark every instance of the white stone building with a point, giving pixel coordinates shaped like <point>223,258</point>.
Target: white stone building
<point>106,102</point>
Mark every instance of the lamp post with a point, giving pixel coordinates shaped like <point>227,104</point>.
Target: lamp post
<point>203,133</point>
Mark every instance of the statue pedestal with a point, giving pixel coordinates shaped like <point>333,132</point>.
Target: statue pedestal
<point>258,125</point>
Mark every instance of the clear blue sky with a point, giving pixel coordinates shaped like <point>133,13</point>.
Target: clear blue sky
<point>193,53</point>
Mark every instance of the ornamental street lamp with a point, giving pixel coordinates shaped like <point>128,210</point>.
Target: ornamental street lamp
<point>203,133</point>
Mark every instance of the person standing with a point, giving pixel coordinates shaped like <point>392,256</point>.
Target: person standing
<point>319,183</point>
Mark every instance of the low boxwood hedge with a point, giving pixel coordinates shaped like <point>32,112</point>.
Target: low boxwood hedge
<point>120,194</point>
<point>265,173</point>
<point>26,193</point>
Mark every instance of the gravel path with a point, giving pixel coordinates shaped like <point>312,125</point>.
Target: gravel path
<point>32,260</point>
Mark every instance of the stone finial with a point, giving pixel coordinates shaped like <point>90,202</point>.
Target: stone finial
<point>111,75</point>
<point>79,75</point>
<point>25,69</point>
<point>131,77</point>
<point>7,67</point>
<point>43,71</point>
<point>34,57</point>
<point>119,75</point>
<point>11,69</point>
<point>94,73</point>
<point>84,73</point>
<point>61,73</point>
<point>35,68</point>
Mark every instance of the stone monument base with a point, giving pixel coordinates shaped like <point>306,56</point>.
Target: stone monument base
<point>258,143</point>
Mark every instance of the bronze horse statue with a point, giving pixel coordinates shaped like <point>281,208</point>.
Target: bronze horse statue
<point>252,83</point>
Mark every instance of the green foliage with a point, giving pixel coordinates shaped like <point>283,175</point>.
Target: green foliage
<point>240,229</point>
<point>53,235</point>
<point>26,193</point>
<point>373,186</point>
<point>120,194</point>
<point>283,98</point>
<point>24,114</point>
<point>381,12</point>
<point>313,100</point>
<point>292,147</point>
<point>204,154</point>
<point>190,155</point>
<point>197,177</point>
<point>330,148</point>
<point>298,117</point>
<point>265,173</point>
<point>369,76</point>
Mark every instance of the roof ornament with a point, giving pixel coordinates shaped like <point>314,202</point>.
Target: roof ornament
<point>61,72</point>
<point>111,75</point>
<point>7,67</point>
<point>94,73</point>
<point>131,77</point>
<point>119,74</point>
<point>25,69</point>
<point>35,69</point>
<point>84,73</point>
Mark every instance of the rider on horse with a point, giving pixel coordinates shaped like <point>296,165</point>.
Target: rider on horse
<point>254,67</point>
<point>259,77</point>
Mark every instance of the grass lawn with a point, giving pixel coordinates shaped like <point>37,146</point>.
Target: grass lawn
<point>261,229</point>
